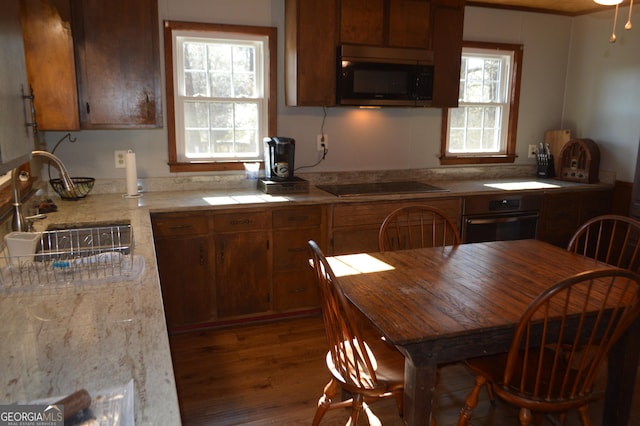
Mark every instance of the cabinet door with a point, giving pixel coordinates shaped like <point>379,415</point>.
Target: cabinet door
<point>409,23</point>
<point>186,278</point>
<point>564,212</point>
<point>17,140</point>
<point>310,52</point>
<point>51,70</point>
<point>243,273</point>
<point>447,17</point>
<point>185,264</point>
<point>399,23</point>
<point>117,60</point>
<point>595,203</point>
<point>362,22</point>
<point>559,219</point>
<point>294,284</point>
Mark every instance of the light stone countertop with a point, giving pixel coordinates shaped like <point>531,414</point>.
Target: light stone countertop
<point>97,337</point>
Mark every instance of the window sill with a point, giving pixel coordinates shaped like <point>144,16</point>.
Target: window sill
<point>208,167</point>
<point>445,161</point>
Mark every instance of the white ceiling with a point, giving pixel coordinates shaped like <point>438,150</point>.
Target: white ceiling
<point>562,7</point>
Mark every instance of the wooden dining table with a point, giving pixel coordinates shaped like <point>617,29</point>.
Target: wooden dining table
<point>440,305</point>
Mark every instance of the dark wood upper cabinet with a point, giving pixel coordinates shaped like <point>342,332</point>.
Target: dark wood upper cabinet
<point>51,69</point>
<point>446,42</point>
<point>310,52</point>
<point>93,64</point>
<point>16,141</point>
<point>397,23</point>
<point>315,29</point>
<point>117,58</point>
<point>362,22</point>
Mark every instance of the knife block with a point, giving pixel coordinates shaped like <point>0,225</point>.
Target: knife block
<point>580,161</point>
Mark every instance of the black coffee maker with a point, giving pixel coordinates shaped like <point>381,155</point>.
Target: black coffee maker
<point>279,153</point>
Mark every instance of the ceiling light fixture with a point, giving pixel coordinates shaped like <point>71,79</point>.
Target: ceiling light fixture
<point>616,3</point>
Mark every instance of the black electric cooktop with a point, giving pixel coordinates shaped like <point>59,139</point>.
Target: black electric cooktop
<point>378,188</point>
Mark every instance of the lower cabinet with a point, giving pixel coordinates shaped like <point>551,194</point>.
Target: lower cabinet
<point>294,285</point>
<point>241,264</point>
<point>185,263</point>
<point>236,265</point>
<point>564,212</point>
<point>243,260</point>
<point>354,226</point>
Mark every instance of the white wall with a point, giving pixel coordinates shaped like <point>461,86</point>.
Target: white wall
<point>603,88</point>
<point>359,139</point>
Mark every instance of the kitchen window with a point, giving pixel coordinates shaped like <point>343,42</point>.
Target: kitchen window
<point>220,94</point>
<point>482,129</point>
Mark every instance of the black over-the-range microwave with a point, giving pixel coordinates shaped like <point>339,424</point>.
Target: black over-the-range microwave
<point>384,76</point>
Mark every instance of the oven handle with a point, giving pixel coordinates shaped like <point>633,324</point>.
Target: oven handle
<point>508,219</point>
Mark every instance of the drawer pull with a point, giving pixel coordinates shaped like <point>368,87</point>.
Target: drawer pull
<point>298,218</point>
<point>180,227</point>
<point>241,222</point>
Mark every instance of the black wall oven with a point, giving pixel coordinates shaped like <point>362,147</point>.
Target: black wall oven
<point>497,217</point>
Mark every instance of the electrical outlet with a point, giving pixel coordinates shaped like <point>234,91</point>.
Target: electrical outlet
<point>533,150</point>
<point>120,159</point>
<point>323,142</point>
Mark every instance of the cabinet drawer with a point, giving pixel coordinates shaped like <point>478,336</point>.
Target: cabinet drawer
<point>291,248</point>
<point>241,221</point>
<point>174,225</point>
<point>297,217</point>
<point>295,290</point>
<point>374,213</point>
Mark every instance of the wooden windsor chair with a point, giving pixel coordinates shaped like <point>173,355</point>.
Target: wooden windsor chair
<point>364,366</point>
<point>417,226</point>
<point>561,342</point>
<point>612,239</point>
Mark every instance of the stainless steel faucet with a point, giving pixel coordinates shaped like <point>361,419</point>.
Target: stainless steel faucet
<point>19,223</point>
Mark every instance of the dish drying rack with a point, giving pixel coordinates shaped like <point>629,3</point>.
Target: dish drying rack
<point>78,255</point>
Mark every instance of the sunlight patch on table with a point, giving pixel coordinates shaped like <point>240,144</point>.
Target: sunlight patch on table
<point>353,264</point>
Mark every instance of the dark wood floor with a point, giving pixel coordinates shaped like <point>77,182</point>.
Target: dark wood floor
<point>273,374</point>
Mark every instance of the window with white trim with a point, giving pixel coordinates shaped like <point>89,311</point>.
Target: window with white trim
<point>482,128</point>
<point>221,101</point>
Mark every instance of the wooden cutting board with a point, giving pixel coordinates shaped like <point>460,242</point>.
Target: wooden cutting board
<point>556,140</point>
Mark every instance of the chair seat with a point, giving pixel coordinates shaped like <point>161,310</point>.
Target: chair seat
<point>388,367</point>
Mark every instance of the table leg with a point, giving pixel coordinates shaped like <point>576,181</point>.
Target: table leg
<point>419,386</point>
<point>621,378</point>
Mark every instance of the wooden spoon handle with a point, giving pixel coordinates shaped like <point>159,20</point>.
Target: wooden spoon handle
<point>74,403</point>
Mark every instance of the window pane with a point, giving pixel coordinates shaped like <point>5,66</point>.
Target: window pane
<point>475,117</point>
<point>197,143</point>
<point>458,117</point>
<point>195,83</point>
<point>222,114</point>
<point>194,56</point>
<point>196,114</point>
<point>456,140</point>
